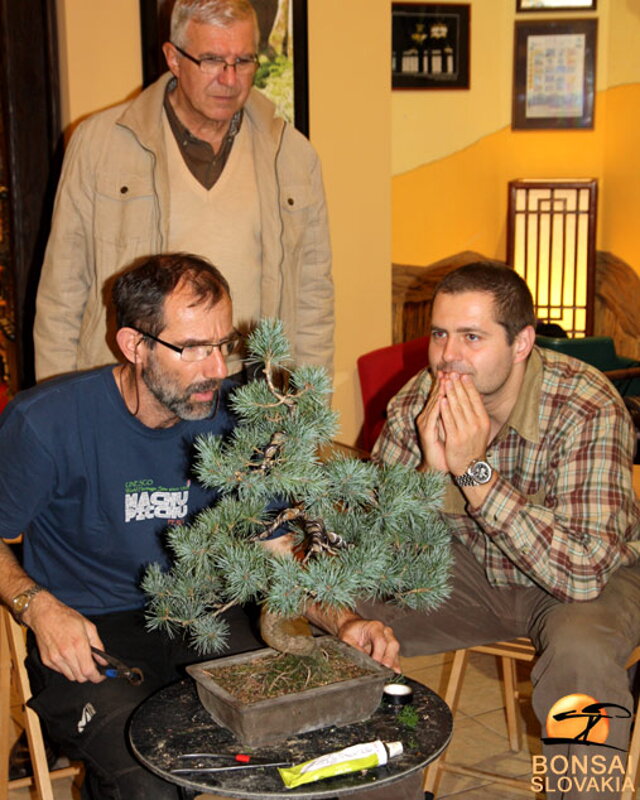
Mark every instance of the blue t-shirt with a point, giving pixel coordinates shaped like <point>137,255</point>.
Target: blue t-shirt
<point>93,489</point>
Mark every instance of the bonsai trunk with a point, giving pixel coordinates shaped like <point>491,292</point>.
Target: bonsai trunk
<point>286,634</point>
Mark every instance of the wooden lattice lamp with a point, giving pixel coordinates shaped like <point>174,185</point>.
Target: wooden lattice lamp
<point>551,237</point>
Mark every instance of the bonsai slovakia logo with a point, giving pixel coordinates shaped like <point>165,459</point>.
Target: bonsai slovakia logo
<point>580,719</point>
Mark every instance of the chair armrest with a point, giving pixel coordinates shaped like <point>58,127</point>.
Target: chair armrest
<point>623,374</point>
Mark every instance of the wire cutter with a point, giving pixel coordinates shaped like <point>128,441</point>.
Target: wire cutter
<point>118,669</point>
<point>233,761</point>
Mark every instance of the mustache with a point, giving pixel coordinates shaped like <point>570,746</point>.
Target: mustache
<point>459,368</point>
<point>212,385</point>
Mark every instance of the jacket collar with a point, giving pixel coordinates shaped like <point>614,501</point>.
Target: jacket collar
<point>143,116</point>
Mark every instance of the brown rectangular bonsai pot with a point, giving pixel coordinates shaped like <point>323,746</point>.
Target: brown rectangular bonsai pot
<point>274,719</point>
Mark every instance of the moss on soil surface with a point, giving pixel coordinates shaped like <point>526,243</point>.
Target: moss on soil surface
<point>277,675</point>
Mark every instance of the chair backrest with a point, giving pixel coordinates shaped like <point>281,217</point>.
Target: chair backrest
<point>600,352</point>
<point>383,373</point>
<point>4,396</point>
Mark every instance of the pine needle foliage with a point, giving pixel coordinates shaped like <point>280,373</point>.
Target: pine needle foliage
<point>362,531</point>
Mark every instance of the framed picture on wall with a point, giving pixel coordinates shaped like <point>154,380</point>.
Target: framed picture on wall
<point>430,46</point>
<point>556,5</point>
<point>554,74</point>
<point>282,50</point>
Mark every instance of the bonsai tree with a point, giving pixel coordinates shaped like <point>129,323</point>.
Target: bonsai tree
<point>354,529</point>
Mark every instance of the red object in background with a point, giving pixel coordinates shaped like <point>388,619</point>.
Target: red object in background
<point>4,396</point>
<point>383,373</point>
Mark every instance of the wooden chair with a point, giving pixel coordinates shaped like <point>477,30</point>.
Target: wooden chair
<point>13,677</point>
<point>508,653</point>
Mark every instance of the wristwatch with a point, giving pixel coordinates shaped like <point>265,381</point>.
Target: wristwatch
<point>21,602</point>
<point>478,472</point>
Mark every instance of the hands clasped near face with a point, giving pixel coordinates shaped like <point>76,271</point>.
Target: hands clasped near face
<point>454,426</point>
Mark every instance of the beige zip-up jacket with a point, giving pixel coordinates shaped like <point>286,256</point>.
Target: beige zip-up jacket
<point>112,206</point>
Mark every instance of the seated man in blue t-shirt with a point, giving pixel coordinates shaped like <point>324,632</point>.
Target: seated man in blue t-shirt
<point>99,467</point>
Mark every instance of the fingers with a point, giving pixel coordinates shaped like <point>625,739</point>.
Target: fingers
<point>64,640</point>
<point>430,430</point>
<point>462,408</point>
<point>466,422</point>
<point>386,649</point>
<point>458,403</point>
<point>375,639</point>
<point>427,421</point>
<point>95,676</point>
<point>431,406</point>
<point>75,661</point>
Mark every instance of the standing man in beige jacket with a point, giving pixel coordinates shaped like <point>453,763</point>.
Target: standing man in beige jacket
<point>198,162</point>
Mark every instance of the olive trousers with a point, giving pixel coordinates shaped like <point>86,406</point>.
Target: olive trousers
<point>582,649</point>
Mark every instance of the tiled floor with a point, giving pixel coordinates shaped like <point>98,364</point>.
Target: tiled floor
<point>480,732</point>
<point>479,739</point>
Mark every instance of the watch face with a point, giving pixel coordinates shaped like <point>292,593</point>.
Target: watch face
<point>20,602</point>
<point>481,472</point>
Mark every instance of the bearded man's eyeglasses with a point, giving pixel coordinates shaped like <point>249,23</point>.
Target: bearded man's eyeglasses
<point>214,65</point>
<point>198,352</point>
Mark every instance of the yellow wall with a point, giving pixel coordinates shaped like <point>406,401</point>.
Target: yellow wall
<point>620,205</point>
<point>460,202</point>
<point>350,100</point>
<point>454,151</point>
<point>100,61</point>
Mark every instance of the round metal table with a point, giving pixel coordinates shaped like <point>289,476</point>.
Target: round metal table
<point>173,722</point>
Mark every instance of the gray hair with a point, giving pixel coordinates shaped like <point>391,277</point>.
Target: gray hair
<point>222,13</point>
<point>139,292</point>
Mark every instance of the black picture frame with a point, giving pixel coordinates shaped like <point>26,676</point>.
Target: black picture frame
<point>554,74</point>
<point>549,6</point>
<point>154,30</point>
<point>430,45</point>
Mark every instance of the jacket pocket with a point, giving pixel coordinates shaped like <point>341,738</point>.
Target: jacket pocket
<point>295,198</point>
<point>124,209</point>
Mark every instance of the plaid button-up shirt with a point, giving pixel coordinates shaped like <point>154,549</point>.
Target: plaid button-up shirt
<point>563,512</point>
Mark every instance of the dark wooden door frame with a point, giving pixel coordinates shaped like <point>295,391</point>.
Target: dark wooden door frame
<point>29,87</point>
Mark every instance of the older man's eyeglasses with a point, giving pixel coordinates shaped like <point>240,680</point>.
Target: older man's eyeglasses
<point>214,65</point>
<point>198,352</point>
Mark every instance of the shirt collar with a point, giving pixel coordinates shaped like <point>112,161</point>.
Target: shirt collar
<point>524,415</point>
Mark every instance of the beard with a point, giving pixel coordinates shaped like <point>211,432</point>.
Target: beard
<point>176,398</point>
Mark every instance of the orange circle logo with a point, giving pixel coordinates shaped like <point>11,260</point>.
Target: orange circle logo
<point>574,716</point>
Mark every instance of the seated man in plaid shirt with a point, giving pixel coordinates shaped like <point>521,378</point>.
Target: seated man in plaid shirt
<point>538,450</point>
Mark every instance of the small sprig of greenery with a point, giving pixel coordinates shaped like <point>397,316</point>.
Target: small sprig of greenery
<point>408,717</point>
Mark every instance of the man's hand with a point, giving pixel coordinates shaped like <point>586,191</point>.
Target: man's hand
<point>373,638</point>
<point>430,430</point>
<point>64,638</point>
<point>467,426</point>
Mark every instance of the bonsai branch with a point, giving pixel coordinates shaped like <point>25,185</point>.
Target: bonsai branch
<point>317,538</point>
